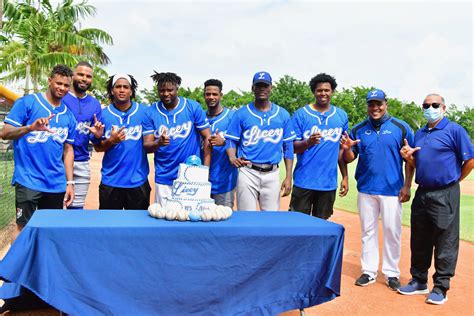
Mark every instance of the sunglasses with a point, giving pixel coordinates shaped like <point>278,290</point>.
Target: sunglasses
<point>434,105</point>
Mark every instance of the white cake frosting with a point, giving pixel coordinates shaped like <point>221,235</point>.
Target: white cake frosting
<point>191,198</point>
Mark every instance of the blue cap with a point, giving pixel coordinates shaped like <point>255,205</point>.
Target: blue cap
<point>376,94</point>
<point>262,76</point>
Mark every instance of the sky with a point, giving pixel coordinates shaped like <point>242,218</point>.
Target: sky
<point>407,49</point>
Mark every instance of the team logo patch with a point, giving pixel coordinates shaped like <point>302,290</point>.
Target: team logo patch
<point>81,127</point>
<point>131,132</point>
<point>254,135</point>
<point>60,135</point>
<point>330,134</point>
<point>178,131</point>
<point>19,212</point>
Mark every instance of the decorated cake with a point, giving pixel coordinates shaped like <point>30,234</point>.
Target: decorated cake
<point>191,196</point>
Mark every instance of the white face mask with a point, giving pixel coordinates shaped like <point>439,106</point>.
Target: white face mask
<point>431,114</point>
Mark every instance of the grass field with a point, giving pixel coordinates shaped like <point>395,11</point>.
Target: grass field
<point>349,203</point>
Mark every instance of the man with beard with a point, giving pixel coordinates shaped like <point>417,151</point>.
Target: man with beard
<point>43,130</point>
<point>172,129</point>
<point>260,134</point>
<point>222,174</point>
<point>87,111</point>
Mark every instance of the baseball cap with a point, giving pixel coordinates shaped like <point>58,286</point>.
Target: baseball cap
<point>376,94</point>
<point>262,76</point>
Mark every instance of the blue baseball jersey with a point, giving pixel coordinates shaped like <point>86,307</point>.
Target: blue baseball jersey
<point>316,167</point>
<point>38,155</point>
<point>260,135</point>
<point>182,125</point>
<point>443,150</point>
<point>83,110</point>
<point>125,165</point>
<point>379,168</point>
<point>223,175</point>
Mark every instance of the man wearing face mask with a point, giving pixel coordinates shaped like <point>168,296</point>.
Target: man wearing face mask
<point>381,185</point>
<point>443,157</point>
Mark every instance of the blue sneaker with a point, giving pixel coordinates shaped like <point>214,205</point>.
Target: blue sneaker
<point>413,287</point>
<point>436,297</point>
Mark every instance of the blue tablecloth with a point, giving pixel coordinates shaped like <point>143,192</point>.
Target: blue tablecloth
<point>127,263</point>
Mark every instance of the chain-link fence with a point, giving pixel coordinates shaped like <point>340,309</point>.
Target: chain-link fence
<point>7,192</point>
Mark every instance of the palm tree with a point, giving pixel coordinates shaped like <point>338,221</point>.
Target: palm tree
<point>37,36</point>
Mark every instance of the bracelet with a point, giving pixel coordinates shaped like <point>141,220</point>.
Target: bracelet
<point>70,182</point>
<point>28,128</point>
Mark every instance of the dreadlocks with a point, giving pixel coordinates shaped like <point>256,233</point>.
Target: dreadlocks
<point>164,77</point>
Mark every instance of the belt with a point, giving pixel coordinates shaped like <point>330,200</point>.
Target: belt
<point>263,167</point>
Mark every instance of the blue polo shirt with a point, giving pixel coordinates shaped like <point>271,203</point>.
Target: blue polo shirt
<point>83,110</point>
<point>443,150</point>
<point>379,168</point>
<point>316,167</point>
<point>38,155</point>
<point>222,174</point>
<point>125,165</point>
<point>260,135</point>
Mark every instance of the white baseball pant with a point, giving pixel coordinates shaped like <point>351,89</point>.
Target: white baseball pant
<point>390,209</point>
<point>82,179</point>
<point>253,186</point>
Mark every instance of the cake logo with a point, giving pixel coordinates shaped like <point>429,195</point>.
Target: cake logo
<point>59,135</point>
<point>254,135</point>
<point>181,189</point>
<point>131,133</point>
<point>178,131</point>
<point>81,127</point>
<point>330,134</point>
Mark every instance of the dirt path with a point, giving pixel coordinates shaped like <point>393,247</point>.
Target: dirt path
<point>375,299</point>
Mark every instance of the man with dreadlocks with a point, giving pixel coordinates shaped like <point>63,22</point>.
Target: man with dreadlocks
<point>125,168</point>
<point>172,129</point>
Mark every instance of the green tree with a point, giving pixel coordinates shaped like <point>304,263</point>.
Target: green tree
<point>465,118</point>
<point>291,94</point>
<point>37,36</point>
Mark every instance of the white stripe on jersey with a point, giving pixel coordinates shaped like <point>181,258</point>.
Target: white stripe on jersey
<point>220,119</point>
<point>276,113</point>
<point>159,111</point>
<point>108,108</point>
<point>313,115</point>
<point>332,114</point>
<point>131,114</point>
<point>248,108</point>
<point>41,103</point>
<point>12,121</point>
<point>184,106</point>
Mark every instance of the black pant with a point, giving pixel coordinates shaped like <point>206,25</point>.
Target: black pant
<point>113,198</point>
<point>435,224</point>
<point>27,201</point>
<point>317,203</point>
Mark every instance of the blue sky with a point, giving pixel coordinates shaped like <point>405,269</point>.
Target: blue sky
<point>408,49</point>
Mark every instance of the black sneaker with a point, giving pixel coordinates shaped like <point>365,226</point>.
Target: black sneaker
<point>364,280</point>
<point>393,283</point>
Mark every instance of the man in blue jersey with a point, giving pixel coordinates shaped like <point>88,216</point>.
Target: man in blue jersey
<point>318,128</point>
<point>87,112</point>
<point>223,175</point>
<point>381,185</point>
<point>443,157</point>
<point>43,130</point>
<point>125,167</point>
<point>172,129</point>
<point>259,135</point>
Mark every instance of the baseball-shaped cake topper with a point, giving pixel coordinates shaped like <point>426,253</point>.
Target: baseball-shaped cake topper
<point>193,160</point>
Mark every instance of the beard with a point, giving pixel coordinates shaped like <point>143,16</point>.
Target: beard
<point>78,88</point>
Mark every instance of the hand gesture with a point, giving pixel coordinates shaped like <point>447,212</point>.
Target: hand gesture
<point>238,162</point>
<point>97,129</point>
<point>314,139</point>
<point>407,152</point>
<point>117,136</point>
<point>344,188</point>
<point>42,124</point>
<point>404,194</point>
<point>347,142</point>
<point>216,139</point>
<point>285,187</point>
<point>163,140</point>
